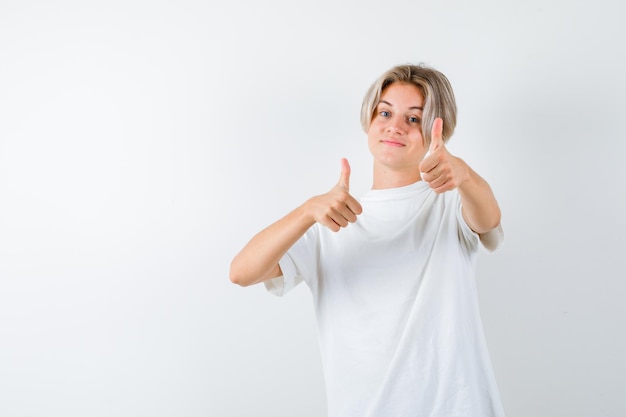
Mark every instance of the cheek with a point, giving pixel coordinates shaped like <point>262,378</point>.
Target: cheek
<point>375,127</point>
<point>372,139</point>
<point>419,138</point>
<point>371,132</point>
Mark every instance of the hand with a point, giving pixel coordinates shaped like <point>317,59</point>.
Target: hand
<point>440,169</point>
<point>336,208</point>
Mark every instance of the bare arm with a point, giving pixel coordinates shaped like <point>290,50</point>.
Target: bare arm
<point>480,208</point>
<point>258,260</point>
<point>444,172</point>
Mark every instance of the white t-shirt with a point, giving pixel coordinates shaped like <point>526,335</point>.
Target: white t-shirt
<point>397,310</point>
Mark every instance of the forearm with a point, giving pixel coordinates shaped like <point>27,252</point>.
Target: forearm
<point>480,208</point>
<point>259,258</point>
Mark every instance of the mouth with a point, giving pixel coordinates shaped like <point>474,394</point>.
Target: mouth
<point>391,142</point>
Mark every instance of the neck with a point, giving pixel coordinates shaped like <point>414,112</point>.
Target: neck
<point>387,177</point>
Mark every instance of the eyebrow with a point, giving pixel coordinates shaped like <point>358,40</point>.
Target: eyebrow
<point>391,105</point>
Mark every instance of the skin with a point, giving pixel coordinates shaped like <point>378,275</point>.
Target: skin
<point>397,147</point>
<point>396,143</point>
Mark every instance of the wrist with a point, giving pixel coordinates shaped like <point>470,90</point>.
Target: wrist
<point>306,212</point>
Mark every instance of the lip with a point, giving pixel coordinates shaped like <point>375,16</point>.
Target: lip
<point>391,142</point>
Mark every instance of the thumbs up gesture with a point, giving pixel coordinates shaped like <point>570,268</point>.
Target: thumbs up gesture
<point>336,208</point>
<point>440,169</point>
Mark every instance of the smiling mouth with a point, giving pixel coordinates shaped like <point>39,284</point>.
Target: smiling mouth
<point>392,143</point>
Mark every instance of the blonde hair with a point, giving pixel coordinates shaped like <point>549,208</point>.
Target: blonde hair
<point>438,97</point>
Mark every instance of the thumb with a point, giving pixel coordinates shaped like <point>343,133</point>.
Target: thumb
<point>436,135</point>
<point>344,179</point>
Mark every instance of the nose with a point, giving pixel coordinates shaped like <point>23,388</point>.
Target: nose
<point>394,125</point>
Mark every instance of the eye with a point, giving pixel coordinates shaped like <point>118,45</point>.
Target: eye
<point>413,119</point>
<point>385,113</point>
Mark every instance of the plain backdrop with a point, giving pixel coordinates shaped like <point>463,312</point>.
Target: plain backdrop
<point>142,143</point>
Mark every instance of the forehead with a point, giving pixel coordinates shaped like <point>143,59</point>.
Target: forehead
<point>402,95</point>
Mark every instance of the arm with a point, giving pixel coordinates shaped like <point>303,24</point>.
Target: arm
<point>258,260</point>
<point>480,208</point>
<point>444,172</point>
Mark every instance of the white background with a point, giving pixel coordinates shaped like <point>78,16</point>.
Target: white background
<point>143,143</point>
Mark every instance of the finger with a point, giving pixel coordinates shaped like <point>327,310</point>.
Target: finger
<point>446,186</point>
<point>347,212</point>
<point>330,223</point>
<point>438,182</point>
<point>436,135</point>
<point>427,164</point>
<point>427,176</point>
<point>344,179</point>
<point>354,206</point>
<point>343,217</point>
<point>336,217</point>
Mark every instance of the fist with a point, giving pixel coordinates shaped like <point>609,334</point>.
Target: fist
<point>439,168</point>
<point>337,208</point>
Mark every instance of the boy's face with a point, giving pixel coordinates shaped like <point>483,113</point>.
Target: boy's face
<point>395,133</point>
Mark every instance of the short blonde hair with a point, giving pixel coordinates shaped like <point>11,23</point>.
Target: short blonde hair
<point>438,97</point>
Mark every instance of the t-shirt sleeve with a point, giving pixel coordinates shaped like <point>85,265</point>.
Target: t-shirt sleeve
<point>297,265</point>
<point>493,239</point>
<point>287,281</point>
